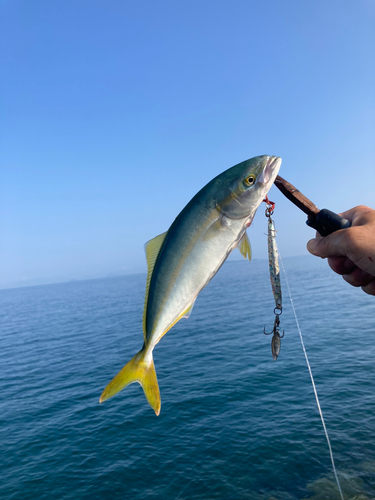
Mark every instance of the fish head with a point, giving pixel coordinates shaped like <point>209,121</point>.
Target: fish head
<point>241,189</point>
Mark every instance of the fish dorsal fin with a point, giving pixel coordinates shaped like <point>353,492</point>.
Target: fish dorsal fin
<point>152,249</point>
<point>188,310</point>
<point>244,246</point>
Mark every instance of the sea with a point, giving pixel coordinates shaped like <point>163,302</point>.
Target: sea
<point>234,423</point>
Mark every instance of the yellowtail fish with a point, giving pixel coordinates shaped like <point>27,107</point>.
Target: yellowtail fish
<point>184,259</point>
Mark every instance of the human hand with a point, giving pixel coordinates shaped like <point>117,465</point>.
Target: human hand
<point>351,251</point>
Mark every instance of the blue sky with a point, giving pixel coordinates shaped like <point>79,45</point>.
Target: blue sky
<point>115,113</point>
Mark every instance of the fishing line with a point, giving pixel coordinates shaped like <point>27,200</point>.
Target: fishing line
<point>312,380</point>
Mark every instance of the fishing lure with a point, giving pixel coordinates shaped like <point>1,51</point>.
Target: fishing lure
<point>275,280</point>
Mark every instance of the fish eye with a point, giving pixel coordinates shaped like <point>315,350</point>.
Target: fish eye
<point>249,181</point>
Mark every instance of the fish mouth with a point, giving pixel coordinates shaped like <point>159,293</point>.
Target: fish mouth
<point>270,170</point>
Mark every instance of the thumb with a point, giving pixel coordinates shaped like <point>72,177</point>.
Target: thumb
<point>329,246</point>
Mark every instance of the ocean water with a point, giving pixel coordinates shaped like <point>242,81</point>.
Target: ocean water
<point>234,424</point>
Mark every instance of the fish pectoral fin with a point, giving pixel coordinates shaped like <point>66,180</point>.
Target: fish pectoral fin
<point>214,229</point>
<point>152,249</point>
<point>244,246</point>
<point>137,370</point>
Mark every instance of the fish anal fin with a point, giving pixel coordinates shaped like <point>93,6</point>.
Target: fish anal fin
<point>187,313</point>
<point>184,314</point>
<point>152,249</point>
<point>244,246</point>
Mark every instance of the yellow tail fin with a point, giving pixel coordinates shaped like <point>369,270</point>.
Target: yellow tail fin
<point>139,369</point>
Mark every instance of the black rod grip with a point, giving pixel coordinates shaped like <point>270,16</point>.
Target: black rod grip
<point>327,222</point>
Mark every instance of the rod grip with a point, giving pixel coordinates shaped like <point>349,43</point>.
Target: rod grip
<point>327,222</point>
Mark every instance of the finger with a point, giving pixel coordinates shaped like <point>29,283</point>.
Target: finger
<point>370,288</point>
<point>359,215</point>
<point>358,278</point>
<point>333,245</point>
<point>341,265</point>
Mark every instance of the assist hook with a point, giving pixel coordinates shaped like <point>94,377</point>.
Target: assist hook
<point>276,324</point>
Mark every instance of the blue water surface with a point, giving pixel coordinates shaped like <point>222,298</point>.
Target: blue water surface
<point>234,424</point>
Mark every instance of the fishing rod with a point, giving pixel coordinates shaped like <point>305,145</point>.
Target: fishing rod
<point>324,221</point>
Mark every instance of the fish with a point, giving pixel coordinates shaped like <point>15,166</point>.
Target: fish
<point>185,258</point>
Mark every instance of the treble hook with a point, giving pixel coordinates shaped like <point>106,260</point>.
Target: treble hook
<point>276,339</point>
<point>276,325</point>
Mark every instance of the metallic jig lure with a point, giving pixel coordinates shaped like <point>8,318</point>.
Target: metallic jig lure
<point>275,281</point>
